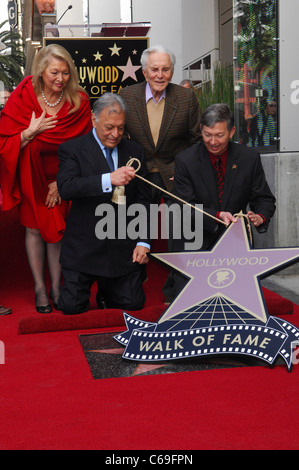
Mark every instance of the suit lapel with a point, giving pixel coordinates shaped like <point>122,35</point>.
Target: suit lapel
<point>171,106</point>
<point>141,113</point>
<point>208,177</point>
<point>98,160</point>
<point>231,171</point>
<point>123,154</point>
<point>95,155</point>
<point>206,172</point>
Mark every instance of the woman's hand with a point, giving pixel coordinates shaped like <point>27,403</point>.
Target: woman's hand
<point>41,124</point>
<point>53,197</point>
<point>37,126</point>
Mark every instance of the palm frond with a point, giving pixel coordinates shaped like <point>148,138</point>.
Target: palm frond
<point>12,57</point>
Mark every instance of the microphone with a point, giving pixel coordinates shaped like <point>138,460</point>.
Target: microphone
<point>68,8</point>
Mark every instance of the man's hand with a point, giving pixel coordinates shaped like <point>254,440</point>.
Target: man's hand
<point>140,254</point>
<point>122,176</point>
<point>255,219</point>
<point>227,217</point>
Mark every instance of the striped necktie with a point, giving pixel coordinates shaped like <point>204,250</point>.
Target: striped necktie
<point>219,178</point>
<point>109,158</point>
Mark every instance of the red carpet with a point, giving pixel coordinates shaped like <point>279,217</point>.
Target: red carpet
<point>111,318</point>
<point>49,399</point>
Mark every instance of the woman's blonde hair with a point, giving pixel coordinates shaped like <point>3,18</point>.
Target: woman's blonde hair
<point>42,60</point>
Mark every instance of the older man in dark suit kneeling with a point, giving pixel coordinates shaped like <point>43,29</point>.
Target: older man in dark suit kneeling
<point>91,167</point>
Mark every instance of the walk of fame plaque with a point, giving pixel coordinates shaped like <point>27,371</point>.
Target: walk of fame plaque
<point>221,310</point>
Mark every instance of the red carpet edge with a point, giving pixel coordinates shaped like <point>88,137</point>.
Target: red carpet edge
<point>113,318</point>
<point>108,318</point>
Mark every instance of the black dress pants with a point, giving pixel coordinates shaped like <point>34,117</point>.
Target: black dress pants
<point>125,292</point>
<point>157,195</point>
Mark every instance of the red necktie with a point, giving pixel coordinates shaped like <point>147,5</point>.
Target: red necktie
<point>219,178</point>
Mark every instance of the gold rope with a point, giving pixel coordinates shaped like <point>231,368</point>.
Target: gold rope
<point>248,225</point>
<point>129,163</point>
<point>132,160</point>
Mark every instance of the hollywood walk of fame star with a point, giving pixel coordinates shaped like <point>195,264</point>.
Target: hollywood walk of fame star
<point>115,50</point>
<point>98,56</point>
<point>140,369</point>
<point>231,269</point>
<point>129,70</point>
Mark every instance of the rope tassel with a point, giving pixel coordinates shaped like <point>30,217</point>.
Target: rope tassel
<point>118,196</point>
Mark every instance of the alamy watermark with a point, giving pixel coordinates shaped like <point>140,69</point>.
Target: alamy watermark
<point>177,223</point>
<point>295,93</point>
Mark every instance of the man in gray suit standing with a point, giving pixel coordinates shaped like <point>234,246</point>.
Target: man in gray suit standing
<point>165,119</point>
<point>162,117</point>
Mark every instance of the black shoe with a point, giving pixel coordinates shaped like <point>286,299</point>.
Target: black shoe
<point>101,302</point>
<point>5,310</point>
<point>54,303</point>
<point>43,309</point>
<point>168,300</point>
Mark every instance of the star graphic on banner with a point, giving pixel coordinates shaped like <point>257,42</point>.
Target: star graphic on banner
<point>129,70</point>
<point>84,61</point>
<point>115,50</point>
<point>134,52</point>
<point>98,56</point>
<point>231,270</point>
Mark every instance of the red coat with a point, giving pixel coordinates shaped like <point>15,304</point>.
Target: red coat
<point>26,173</point>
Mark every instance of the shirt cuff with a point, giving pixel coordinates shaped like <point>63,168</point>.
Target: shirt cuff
<point>106,183</point>
<point>144,244</point>
<point>264,219</point>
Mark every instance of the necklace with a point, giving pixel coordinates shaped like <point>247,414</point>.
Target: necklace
<point>50,104</point>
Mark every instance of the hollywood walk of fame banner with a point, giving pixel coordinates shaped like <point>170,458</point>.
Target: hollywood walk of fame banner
<point>221,310</point>
<point>105,64</point>
<point>145,343</point>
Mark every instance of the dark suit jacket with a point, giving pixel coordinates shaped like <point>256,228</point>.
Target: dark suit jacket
<point>180,126</point>
<point>79,180</point>
<point>245,184</point>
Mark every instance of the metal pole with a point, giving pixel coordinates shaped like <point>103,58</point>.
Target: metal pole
<point>131,6</point>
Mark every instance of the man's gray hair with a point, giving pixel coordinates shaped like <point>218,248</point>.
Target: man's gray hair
<point>217,112</point>
<point>109,100</point>
<point>158,48</point>
<point>186,82</point>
